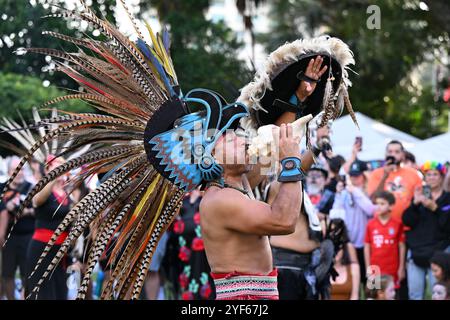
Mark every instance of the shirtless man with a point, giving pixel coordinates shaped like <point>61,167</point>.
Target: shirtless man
<point>236,228</point>
<point>297,255</point>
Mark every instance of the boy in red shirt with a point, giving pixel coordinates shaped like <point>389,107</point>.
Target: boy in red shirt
<point>384,246</point>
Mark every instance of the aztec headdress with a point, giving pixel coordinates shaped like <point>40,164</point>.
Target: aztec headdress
<point>147,173</point>
<point>271,92</point>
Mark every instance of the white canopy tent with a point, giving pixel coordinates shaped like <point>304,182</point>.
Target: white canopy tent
<point>443,139</point>
<point>375,136</point>
<point>436,148</point>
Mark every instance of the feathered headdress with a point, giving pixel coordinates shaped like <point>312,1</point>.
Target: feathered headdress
<point>135,84</point>
<point>26,137</point>
<point>268,96</point>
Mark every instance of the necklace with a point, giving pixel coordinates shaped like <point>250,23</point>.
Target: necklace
<point>226,185</point>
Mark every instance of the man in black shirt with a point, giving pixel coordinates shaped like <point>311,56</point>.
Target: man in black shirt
<point>14,251</point>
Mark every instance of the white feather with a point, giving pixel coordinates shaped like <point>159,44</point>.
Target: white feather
<point>281,58</point>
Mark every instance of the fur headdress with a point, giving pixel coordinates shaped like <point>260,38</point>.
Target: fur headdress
<point>280,77</point>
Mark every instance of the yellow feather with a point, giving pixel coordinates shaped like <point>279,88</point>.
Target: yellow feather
<point>159,52</point>
<point>149,191</point>
<point>161,204</point>
<point>154,40</point>
<point>167,64</point>
<point>150,230</point>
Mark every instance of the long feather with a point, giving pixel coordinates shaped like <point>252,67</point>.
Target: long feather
<point>128,82</point>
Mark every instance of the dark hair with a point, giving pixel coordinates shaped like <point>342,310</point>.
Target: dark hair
<point>336,163</point>
<point>409,156</point>
<point>385,279</point>
<point>442,259</point>
<point>339,236</point>
<point>386,195</point>
<point>396,142</point>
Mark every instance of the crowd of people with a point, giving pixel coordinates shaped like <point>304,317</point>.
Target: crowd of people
<point>393,223</point>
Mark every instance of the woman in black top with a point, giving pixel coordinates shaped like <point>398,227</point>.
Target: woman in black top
<point>14,252</point>
<point>51,206</point>
<point>185,262</point>
<point>428,219</point>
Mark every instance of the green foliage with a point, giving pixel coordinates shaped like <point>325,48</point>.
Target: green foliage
<point>384,58</point>
<point>19,93</point>
<point>22,24</point>
<point>414,111</point>
<point>203,52</point>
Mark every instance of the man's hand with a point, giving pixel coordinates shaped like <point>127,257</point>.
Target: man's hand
<point>356,148</point>
<point>389,168</point>
<point>305,89</point>
<point>288,145</point>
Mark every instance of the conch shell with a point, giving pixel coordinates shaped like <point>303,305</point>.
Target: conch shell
<point>266,140</point>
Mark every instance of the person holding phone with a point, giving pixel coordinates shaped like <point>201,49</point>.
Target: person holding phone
<point>14,251</point>
<point>400,181</point>
<point>359,209</point>
<point>428,218</point>
<point>357,147</point>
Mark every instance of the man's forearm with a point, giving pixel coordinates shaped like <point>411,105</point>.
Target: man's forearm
<point>380,186</point>
<point>288,201</point>
<point>346,166</point>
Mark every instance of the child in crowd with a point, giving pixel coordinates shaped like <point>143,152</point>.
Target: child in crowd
<point>384,248</point>
<point>441,291</point>
<point>440,266</point>
<point>382,290</point>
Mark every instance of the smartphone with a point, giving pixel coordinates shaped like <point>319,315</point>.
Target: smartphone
<point>358,141</point>
<point>390,160</point>
<point>426,190</point>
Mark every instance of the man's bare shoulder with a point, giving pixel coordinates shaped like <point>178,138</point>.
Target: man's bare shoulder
<point>219,200</point>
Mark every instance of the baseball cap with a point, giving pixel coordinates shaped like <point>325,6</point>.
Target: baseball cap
<point>319,167</point>
<point>357,168</point>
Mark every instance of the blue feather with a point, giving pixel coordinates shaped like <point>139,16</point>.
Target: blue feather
<point>166,39</point>
<point>143,47</point>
